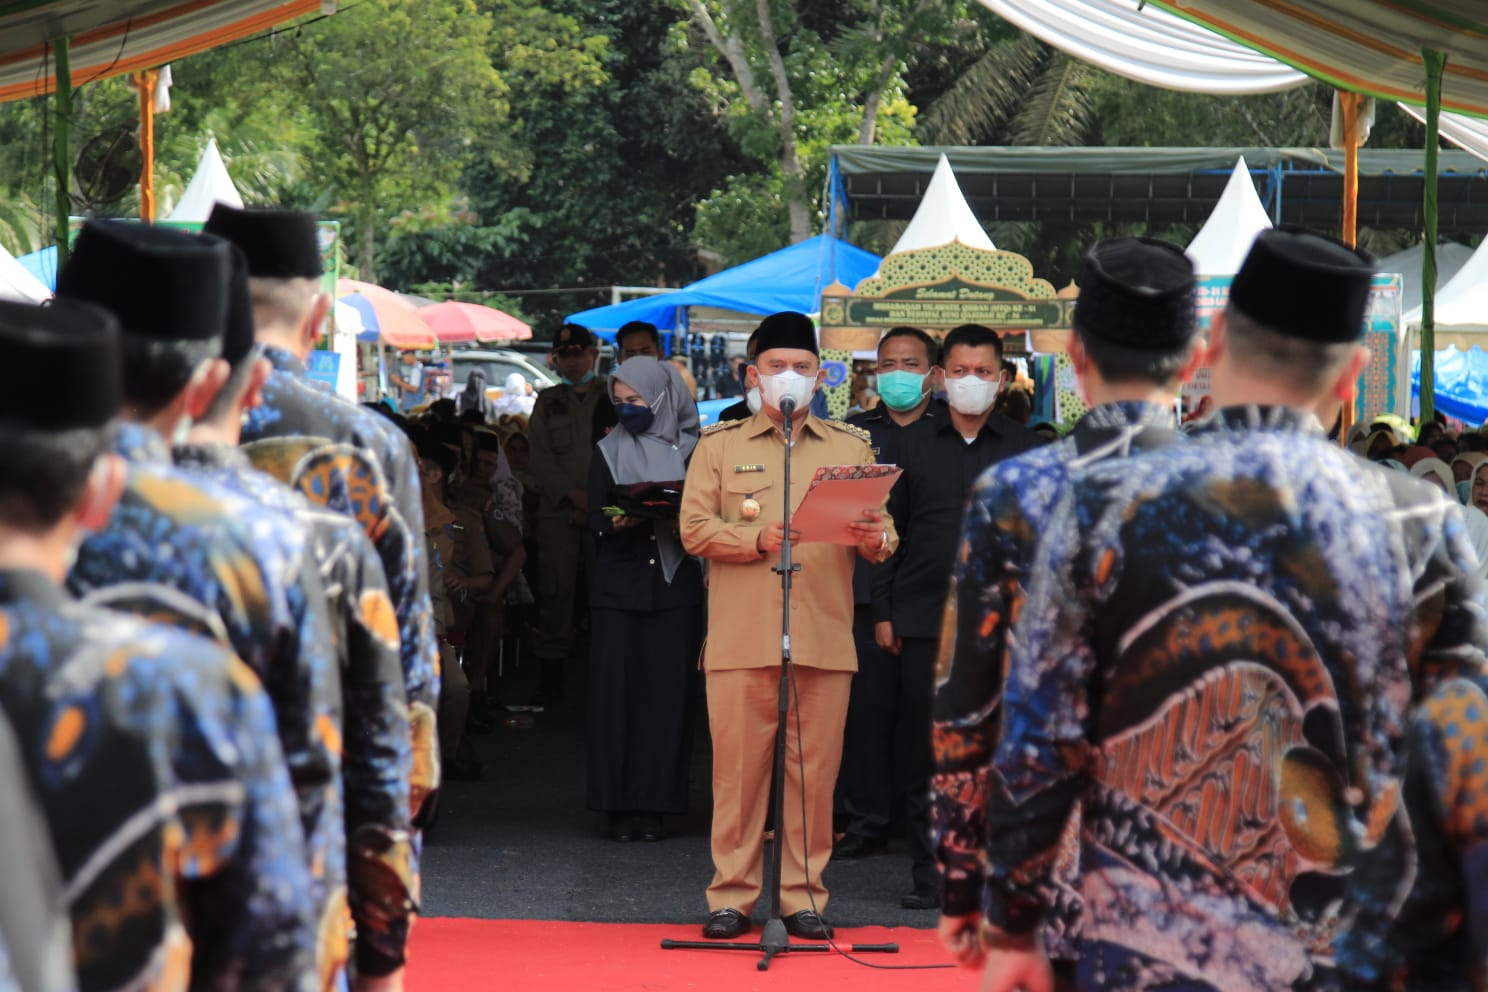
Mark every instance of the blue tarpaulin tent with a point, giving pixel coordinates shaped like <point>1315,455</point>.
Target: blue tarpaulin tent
<point>43,265</point>
<point>1461,383</point>
<point>789,279</point>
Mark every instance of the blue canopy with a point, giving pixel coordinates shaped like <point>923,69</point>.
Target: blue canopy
<point>43,265</point>
<point>789,279</point>
<point>1461,383</point>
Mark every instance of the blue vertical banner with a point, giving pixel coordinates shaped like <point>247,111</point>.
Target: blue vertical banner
<point>321,368</point>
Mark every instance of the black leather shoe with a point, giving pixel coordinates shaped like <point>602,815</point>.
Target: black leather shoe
<point>649,828</point>
<point>808,926</point>
<point>726,924</point>
<point>622,827</point>
<point>854,846</point>
<point>921,899</point>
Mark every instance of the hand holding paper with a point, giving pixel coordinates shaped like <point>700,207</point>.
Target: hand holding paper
<point>841,505</point>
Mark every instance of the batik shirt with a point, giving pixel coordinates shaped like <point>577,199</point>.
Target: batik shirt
<point>373,727</point>
<point>156,762</point>
<point>1211,657</point>
<point>351,460</point>
<point>167,517</point>
<point>989,583</point>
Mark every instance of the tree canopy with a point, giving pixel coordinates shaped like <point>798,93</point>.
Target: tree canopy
<point>547,149</point>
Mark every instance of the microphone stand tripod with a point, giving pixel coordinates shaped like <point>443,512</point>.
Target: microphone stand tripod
<point>775,939</point>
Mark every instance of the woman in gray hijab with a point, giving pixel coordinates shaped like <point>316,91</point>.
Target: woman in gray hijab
<point>474,396</point>
<point>645,602</point>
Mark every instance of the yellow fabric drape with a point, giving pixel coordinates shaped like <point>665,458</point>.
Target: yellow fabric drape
<point>145,81</point>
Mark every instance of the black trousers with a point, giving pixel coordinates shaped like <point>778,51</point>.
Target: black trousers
<point>916,690</point>
<point>866,783</point>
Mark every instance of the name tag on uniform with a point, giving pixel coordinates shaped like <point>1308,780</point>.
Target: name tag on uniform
<point>749,468</point>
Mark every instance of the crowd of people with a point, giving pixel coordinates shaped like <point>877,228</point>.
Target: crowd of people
<point>1156,705</point>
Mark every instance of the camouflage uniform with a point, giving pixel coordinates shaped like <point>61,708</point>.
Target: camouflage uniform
<point>350,460</point>
<point>374,715</point>
<point>157,766</point>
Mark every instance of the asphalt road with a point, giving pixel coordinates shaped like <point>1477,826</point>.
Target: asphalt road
<point>522,845</point>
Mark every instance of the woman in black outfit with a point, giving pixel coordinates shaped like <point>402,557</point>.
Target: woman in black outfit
<point>645,607</point>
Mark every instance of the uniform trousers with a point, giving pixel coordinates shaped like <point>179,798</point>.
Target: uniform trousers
<point>742,709</point>
<point>867,784</point>
<point>916,695</point>
<point>454,701</point>
<point>564,549</point>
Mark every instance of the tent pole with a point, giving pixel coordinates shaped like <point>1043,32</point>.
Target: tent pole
<point>1349,104</point>
<point>1434,63</point>
<point>145,80</point>
<point>61,150</point>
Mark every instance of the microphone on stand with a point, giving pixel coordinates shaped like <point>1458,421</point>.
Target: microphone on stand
<point>788,412</point>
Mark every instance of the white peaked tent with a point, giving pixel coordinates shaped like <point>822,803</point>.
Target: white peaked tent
<point>1450,258</point>
<point>210,185</point>
<point>1461,305</point>
<point>1222,244</point>
<point>17,284</point>
<point>943,216</point>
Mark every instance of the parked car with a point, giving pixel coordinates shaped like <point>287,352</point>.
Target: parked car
<point>498,365</point>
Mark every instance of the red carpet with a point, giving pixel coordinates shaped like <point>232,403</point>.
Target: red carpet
<point>453,955</point>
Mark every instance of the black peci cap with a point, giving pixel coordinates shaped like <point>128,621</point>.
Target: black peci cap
<point>66,369</point>
<point>1137,293</point>
<point>159,283</point>
<point>279,244</point>
<point>786,329</point>
<point>238,333</point>
<point>1304,285</point>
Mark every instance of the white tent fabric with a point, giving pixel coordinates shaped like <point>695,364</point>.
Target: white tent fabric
<point>1150,45</point>
<point>1468,133</point>
<point>1225,239</point>
<point>1462,304</point>
<point>1155,47</point>
<point>1450,257</point>
<point>943,216</point>
<point>210,185</point>
<point>18,284</point>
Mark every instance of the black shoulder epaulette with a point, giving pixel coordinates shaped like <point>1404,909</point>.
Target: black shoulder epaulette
<point>722,425</point>
<point>847,428</point>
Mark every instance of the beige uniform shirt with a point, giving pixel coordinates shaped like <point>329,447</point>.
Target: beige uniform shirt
<point>735,461</point>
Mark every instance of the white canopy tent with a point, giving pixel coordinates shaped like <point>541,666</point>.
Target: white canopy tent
<point>1450,258</point>
<point>18,284</point>
<point>1461,306</point>
<point>1225,239</point>
<point>211,185</point>
<point>943,216</point>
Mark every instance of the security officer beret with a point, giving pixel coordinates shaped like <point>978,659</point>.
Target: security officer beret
<point>160,283</point>
<point>1137,293</point>
<point>573,337</point>
<point>64,359</point>
<point>786,329</point>
<point>279,244</point>
<point>1304,285</point>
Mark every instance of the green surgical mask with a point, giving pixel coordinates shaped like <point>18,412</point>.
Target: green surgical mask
<point>900,390</point>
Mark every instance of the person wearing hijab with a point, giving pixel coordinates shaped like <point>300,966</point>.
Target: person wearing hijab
<point>1464,464</point>
<point>645,605</point>
<point>514,398</point>
<point>474,397</point>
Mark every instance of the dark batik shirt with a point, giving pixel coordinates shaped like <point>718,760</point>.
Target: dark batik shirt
<point>156,762</point>
<point>1211,657</point>
<point>351,460</point>
<point>373,715</point>
<point>989,583</point>
<point>283,634</point>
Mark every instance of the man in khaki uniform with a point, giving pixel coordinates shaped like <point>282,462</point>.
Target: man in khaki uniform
<point>561,434</point>
<point>732,514</point>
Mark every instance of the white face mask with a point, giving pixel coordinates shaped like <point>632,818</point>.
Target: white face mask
<point>754,400</point>
<point>970,395</point>
<point>775,388</point>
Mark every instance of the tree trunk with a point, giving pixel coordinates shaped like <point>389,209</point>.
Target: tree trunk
<point>367,245</point>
